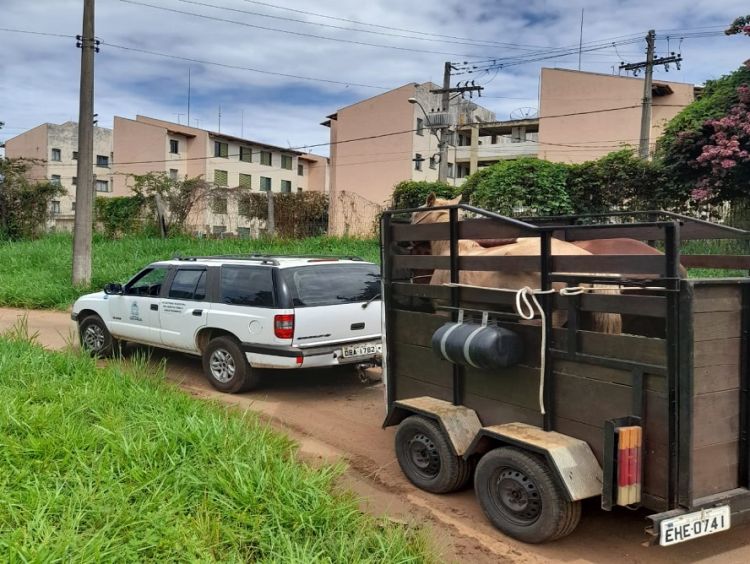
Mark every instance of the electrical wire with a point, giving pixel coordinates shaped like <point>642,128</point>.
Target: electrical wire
<point>295,33</point>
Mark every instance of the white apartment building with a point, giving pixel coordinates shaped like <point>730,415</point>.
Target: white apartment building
<point>54,150</point>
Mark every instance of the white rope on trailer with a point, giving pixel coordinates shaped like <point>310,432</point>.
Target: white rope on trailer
<point>527,306</point>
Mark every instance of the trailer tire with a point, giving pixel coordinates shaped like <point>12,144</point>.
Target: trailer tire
<point>521,496</point>
<point>426,457</point>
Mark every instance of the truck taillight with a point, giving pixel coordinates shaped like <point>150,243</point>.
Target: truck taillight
<point>629,449</point>
<point>283,326</point>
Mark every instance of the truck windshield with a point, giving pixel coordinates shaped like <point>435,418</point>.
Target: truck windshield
<point>332,284</point>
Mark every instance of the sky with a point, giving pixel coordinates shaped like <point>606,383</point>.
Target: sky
<point>355,50</point>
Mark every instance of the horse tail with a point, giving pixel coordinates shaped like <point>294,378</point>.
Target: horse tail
<point>606,322</point>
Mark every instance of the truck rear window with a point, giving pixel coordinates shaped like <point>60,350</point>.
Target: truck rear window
<point>332,284</point>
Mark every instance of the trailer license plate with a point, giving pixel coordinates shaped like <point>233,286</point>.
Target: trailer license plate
<point>694,525</point>
<point>362,350</point>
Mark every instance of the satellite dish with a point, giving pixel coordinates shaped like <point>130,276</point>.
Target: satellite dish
<point>524,113</point>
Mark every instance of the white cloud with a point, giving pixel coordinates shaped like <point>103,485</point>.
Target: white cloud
<point>39,75</point>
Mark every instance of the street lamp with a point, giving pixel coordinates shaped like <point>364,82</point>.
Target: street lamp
<point>442,145</point>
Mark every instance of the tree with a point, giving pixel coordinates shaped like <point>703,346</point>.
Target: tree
<point>171,200</point>
<point>704,143</point>
<point>523,186</point>
<point>740,25</point>
<point>413,193</point>
<point>24,205</point>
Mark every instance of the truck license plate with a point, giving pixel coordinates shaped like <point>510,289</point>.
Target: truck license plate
<point>366,349</point>
<point>693,525</point>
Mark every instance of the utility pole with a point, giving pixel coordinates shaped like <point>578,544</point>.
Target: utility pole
<point>84,220</point>
<point>649,65</point>
<point>445,130</point>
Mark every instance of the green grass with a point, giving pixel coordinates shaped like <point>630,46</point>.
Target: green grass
<point>36,274</point>
<point>112,464</point>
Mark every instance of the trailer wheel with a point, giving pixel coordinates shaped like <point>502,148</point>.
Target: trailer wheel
<point>426,457</point>
<point>521,496</point>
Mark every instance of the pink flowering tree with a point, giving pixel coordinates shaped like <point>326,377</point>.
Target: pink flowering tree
<point>740,25</point>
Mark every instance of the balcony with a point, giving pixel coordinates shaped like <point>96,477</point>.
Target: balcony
<point>503,149</point>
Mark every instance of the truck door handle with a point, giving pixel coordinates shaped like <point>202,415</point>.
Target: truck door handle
<point>155,307</point>
<point>357,326</point>
<point>197,312</point>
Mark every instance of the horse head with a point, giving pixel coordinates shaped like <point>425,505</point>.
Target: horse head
<point>434,216</point>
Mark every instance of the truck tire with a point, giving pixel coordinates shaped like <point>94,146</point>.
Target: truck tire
<point>226,367</point>
<point>95,338</point>
<point>521,496</point>
<point>426,457</point>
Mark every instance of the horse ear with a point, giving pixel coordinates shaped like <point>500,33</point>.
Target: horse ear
<point>431,200</point>
<point>456,200</point>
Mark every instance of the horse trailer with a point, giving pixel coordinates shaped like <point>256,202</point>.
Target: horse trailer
<point>541,410</point>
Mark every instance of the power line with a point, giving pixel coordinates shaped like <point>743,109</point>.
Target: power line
<point>239,67</point>
<point>379,26</point>
<point>343,28</point>
<point>295,33</point>
<point>29,32</point>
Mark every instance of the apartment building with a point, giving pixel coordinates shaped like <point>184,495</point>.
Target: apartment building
<point>400,143</point>
<point>145,144</point>
<point>585,115</point>
<point>54,150</point>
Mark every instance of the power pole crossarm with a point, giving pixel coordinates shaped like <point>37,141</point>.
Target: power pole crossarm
<point>84,218</point>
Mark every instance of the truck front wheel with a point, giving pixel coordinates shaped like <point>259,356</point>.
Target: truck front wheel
<point>519,493</point>
<point>426,456</point>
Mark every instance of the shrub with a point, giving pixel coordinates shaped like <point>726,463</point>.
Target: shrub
<point>412,193</point>
<point>523,186</point>
<point>120,215</point>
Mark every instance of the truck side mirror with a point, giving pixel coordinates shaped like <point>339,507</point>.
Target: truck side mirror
<point>113,288</point>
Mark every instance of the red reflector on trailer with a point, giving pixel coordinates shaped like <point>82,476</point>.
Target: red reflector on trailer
<point>629,449</point>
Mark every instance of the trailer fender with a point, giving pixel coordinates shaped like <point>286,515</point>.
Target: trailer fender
<point>459,423</point>
<point>571,458</point>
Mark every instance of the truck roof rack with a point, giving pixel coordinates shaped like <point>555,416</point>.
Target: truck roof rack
<point>269,259</point>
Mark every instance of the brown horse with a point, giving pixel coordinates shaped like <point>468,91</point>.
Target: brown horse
<point>523,246</point>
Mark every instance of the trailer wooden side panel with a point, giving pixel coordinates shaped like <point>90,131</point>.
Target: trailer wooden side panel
<point>717,330</point>
<point>586,395</point>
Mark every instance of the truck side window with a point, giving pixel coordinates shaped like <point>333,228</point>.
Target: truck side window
<point>147,283</point>
<point>188,284</point>
<point>247,286</point>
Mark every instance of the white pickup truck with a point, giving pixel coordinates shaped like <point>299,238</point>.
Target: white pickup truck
<point>240,313</point>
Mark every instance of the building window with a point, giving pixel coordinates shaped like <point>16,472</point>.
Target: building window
<point>54,207</point>
<point>265,183</point>
<point>55,179</point>
<point>246,154</point>
<point>243,232</point>
<point>433,162</point>
<point>219,205</point>
<point>300,170</point>
<point>56,155</point>
<point>72,206</point>
<point>246,181</point>
<point>174,146</point>
<point>102,160</point>
<point>221,149</point>
<point>221,177</point>
<point>102,186</point>
<point>286,162</point>
<point>299,188</point>
<point>418,161</point>
<point>74,181</point>
<point>450,170</point>
<point>420,126</point>
<point>218,230</point>
<point>173,172</point>
<point>265,158</point>
<point>286,186</point>
<point>75,155</point>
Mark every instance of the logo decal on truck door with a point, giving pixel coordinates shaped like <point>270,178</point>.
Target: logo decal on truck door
<point>134,313</point>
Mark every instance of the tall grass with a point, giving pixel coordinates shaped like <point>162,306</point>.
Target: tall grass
<point>112,464</point>
<point>36,274</point>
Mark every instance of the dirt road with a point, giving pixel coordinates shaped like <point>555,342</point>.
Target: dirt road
<point>332,415</point>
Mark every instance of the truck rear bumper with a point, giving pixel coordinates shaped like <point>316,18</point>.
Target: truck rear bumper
<point>287,357</point>
<point>738,501</point>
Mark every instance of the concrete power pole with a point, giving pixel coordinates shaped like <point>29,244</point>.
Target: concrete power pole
<point>84,219</point>
<point>647,96</point>
<point>445,132</point>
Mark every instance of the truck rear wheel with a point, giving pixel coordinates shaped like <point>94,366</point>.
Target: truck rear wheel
<point>519,493</point>
<point>426,457</point>
<point>226,367</point>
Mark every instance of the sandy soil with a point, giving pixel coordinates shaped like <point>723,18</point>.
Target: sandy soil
<point>333,416</point>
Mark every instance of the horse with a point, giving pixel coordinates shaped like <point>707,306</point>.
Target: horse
<point>522,246</point>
